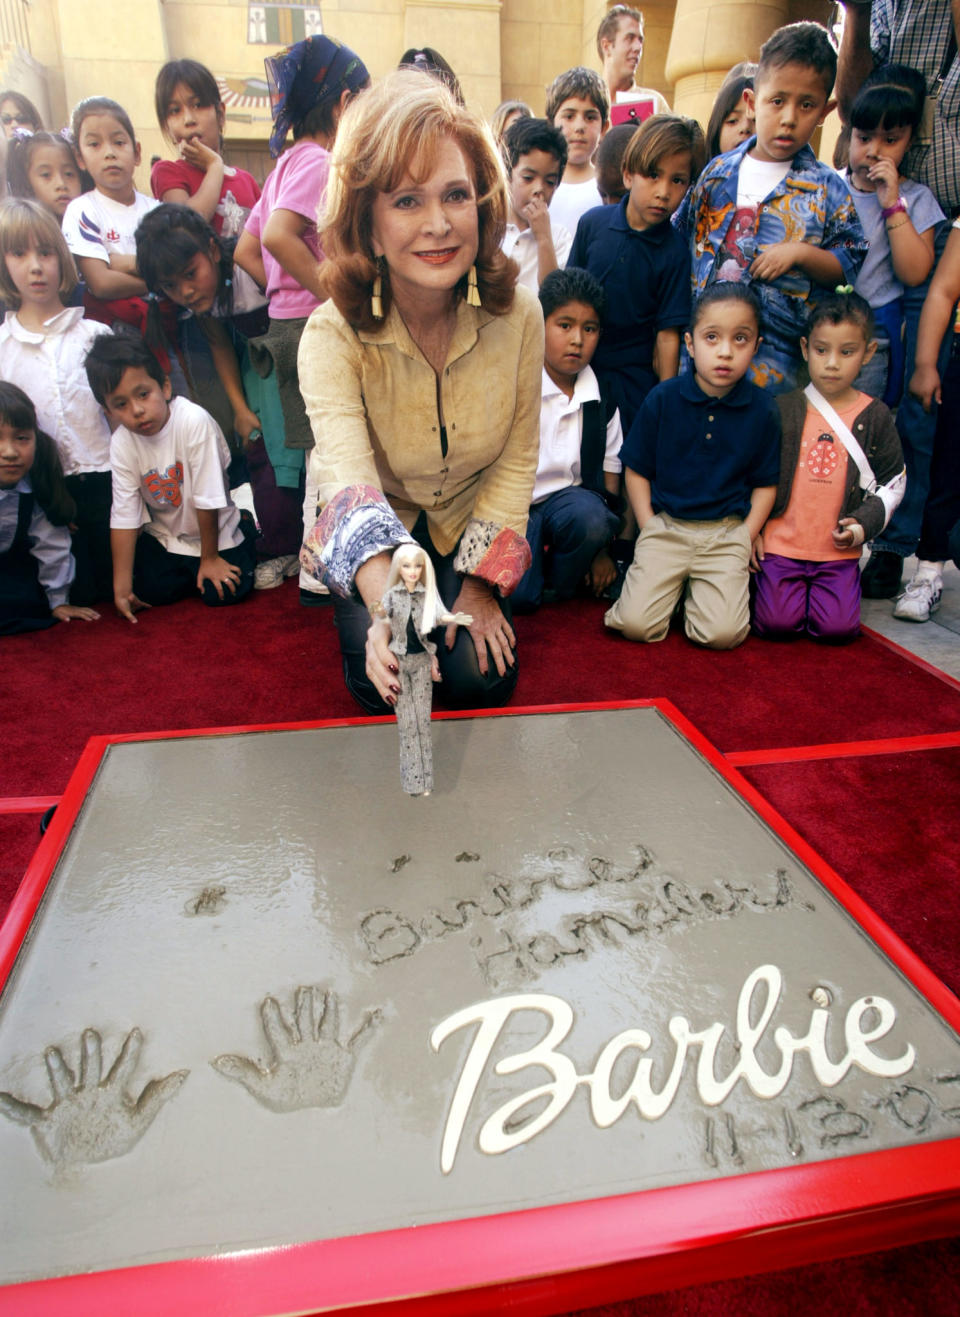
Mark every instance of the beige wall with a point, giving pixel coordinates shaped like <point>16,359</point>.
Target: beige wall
<point>500,48</point>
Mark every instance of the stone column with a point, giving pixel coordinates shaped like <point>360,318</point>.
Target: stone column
<point>709,37</point>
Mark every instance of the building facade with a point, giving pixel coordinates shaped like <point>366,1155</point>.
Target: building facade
<point>59,51</point>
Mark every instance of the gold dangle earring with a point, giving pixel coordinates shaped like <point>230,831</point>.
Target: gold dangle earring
<point>473,292</point>
<point>376,295</point>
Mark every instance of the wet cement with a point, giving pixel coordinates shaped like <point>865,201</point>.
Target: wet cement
<point>218,1035</point>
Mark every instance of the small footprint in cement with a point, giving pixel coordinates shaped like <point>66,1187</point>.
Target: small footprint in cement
<point>209,902</point>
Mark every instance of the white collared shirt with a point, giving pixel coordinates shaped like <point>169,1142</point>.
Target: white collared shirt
<point>561,430</point>
<point>521,246</point>
<point>49,367</point>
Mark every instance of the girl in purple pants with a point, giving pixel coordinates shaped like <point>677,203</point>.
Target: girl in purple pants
<point>841,477</point>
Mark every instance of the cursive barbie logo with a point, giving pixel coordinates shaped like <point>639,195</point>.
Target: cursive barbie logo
<point>867,1020</point>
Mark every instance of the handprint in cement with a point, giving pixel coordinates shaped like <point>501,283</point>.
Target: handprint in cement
<point>91,1118</point>
<point>308,1065</point>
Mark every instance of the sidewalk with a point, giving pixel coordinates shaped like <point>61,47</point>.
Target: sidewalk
<point>936,641</point>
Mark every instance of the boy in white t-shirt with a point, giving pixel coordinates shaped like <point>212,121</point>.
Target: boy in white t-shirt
<point>578,104</point>
<point>536,155</point>
<point>169,462</point>
<point>575,506</point>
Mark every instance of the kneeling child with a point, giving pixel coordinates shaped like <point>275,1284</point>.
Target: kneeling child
<point>702,460</point>
<point>169,463</point>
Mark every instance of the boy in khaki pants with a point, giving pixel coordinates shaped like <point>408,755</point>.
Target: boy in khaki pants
<point>702,461</point>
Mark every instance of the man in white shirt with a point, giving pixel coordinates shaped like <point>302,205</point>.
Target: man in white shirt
<point>620,47</point>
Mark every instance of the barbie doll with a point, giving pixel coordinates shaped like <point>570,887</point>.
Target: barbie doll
<point>413,608</point>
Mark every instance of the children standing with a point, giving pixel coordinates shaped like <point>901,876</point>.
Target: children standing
<point>44,168</point>
<point>899,217</point>
<point>536,155</point>
<point>642,263</point>
<point>191,116</point>
<point>99,226</point>
<point>769,213</point>
<point>731,119</point>
<point>310,85</point>
<point>36,565</point>
<point>577,104</point>
<point>940,531</point>
<point>169,463</point>
<point>841,477</point>
<point>575,504</point>
<point>702,462</point>
<point>43,346</point>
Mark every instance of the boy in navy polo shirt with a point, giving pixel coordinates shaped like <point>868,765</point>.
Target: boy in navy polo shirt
<point>702,462</point>
<point>641,263</point>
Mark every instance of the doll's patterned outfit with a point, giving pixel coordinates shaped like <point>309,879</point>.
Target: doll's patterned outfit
<point>402,607</point>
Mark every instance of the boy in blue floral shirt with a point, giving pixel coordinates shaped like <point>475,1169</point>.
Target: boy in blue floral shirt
<point>769,213</point>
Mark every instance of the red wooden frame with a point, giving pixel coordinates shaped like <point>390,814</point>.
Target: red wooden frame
<point>548,1259</point>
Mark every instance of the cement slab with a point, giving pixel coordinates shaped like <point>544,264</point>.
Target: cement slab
<point>268,998</point>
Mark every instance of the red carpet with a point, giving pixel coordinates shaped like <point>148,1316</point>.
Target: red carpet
<point>883,816</point>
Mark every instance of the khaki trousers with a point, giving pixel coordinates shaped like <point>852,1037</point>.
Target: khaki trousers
<point>710,559</point>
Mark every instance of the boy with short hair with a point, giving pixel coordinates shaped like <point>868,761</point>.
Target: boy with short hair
<point>578,104</point>
<point>536,154</point>
<point>702,462</point>
<point>169,462</point>
<point>769,213</point>
<point>575,505</point>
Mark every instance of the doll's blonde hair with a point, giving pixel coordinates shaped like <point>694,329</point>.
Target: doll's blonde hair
<point>434,609</point>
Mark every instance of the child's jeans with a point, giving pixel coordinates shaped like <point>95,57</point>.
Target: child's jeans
<point>711,559</point>
<point>818,599</point>
<point>576,523</point>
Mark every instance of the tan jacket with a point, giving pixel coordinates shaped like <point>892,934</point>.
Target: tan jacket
<point>372,403</point>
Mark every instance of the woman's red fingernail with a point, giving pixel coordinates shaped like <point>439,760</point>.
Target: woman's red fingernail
<point>395,689</point>
<point>394,668</point>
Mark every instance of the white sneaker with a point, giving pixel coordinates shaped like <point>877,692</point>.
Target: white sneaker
<point>919,600</point>
<point>271,573</point>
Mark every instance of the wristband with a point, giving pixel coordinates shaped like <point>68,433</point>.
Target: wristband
<point>376,609</point>
<point>894,209</point>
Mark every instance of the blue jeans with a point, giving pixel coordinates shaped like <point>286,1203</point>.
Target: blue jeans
<point>577,524</point>
<point>916,429</point>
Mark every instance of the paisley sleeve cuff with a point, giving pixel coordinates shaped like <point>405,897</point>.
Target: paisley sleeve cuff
<point>357,524</point>
<point>495,554</point>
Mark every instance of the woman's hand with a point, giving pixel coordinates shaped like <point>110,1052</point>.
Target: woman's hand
<point>382,666</point>
<point>489,628</point>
